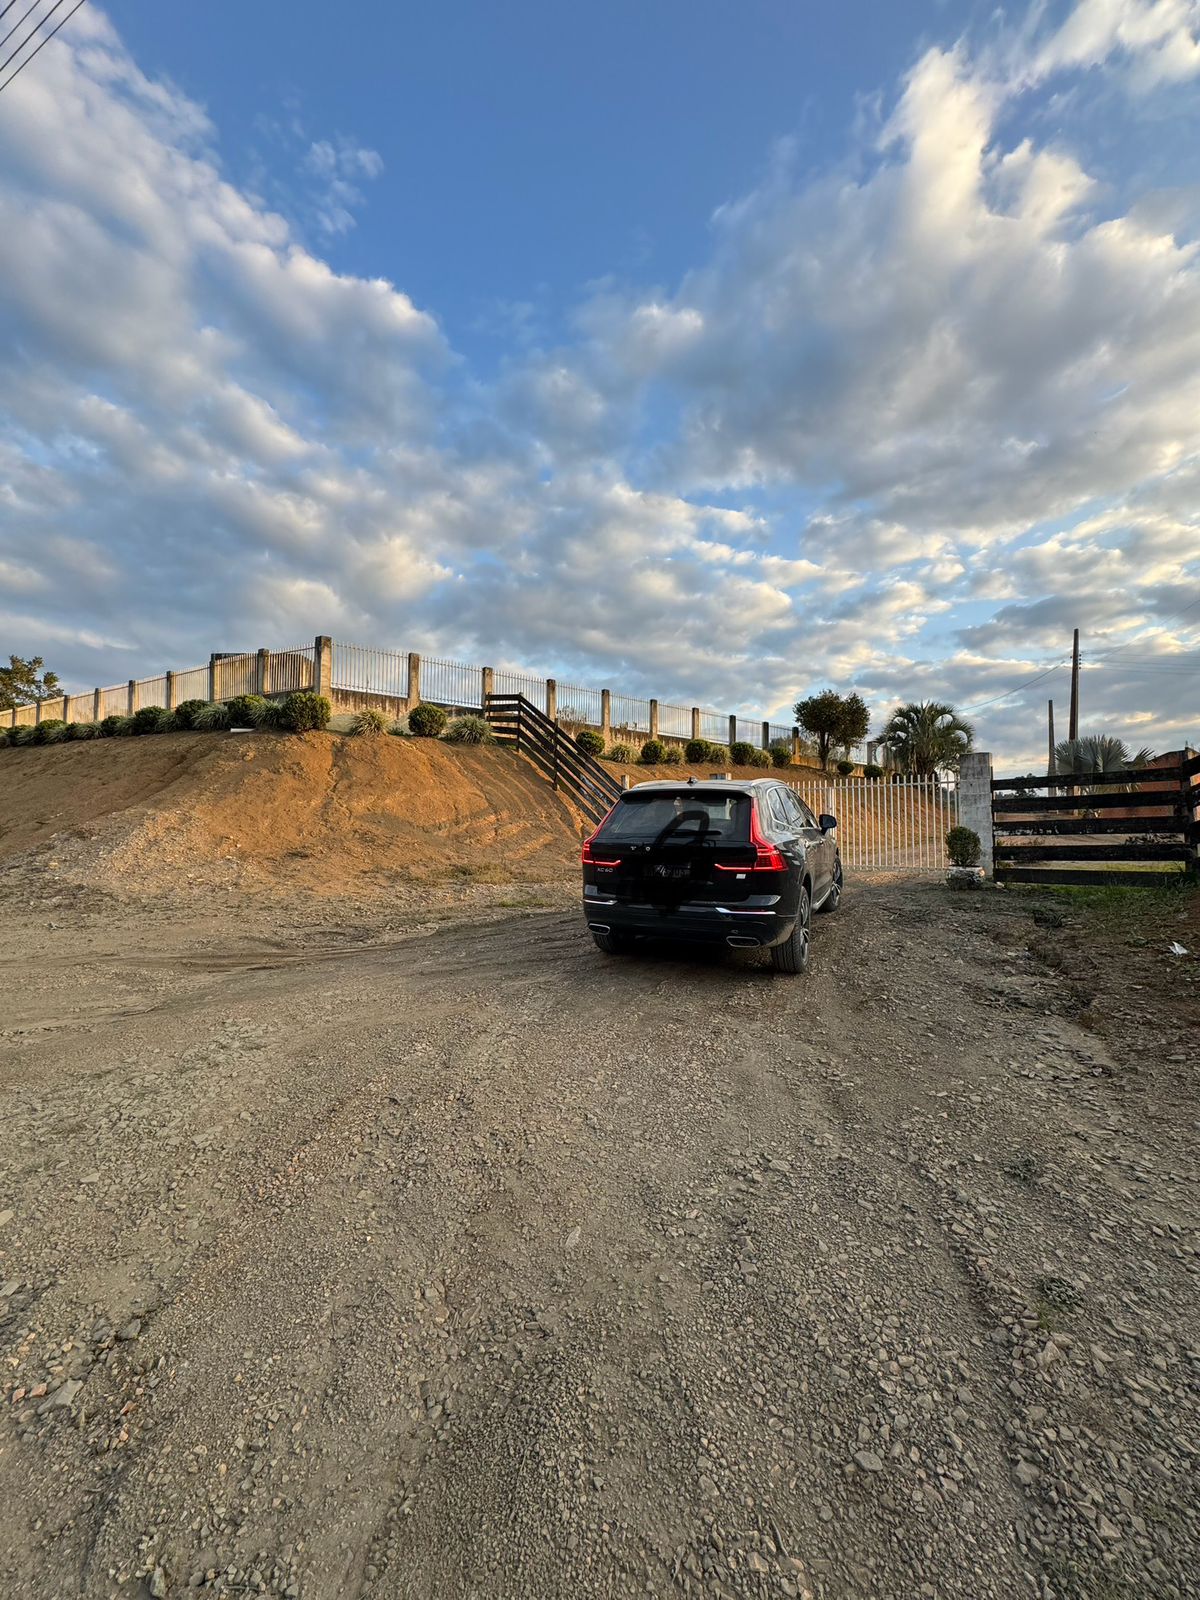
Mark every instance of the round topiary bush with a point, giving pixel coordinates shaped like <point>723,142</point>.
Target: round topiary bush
<point>187,710</point>
<point>696,750</point>
<point>470,730</point>
<point>672,755</point>
<point>369,723</point>
<point>652,752</point>
<point>152,719</point>
<point>245,710</point>
<point>592,743</point>
<point>51,731</point>
<point>845,768</point>
<point>872,771</point>
<point>426,721</point>
<point>963,847</point>
<point>741,753</point>
<point>759,758</point>
<point>780,753</point>
<point>305,711</point>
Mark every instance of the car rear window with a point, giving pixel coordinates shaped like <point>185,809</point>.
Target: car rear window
<point>711,816</point>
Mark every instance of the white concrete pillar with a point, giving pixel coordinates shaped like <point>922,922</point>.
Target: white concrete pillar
<point>975,802</point>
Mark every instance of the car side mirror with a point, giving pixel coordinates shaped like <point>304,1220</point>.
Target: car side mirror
<point>827,823</point>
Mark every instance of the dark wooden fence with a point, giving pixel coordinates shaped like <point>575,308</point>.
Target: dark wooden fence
<point>1063,830</point>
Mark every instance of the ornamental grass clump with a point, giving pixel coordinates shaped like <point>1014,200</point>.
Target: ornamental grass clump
<point>470,730</point>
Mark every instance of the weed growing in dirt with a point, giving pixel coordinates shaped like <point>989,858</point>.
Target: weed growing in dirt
<point>1025,1169</point>
<point>426,721</point>
<point>470,730</point>
<point>1055,1298</point>
<point>369,724</point>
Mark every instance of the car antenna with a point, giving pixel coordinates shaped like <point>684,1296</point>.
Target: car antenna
<point>692,779</point>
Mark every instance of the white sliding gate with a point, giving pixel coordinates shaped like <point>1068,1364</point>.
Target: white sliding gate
<point>899,826</point>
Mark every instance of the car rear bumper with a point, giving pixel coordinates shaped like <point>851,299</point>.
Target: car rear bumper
<point>740,926</point>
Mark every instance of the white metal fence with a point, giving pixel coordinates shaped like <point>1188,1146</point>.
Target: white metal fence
<point>899,826</point>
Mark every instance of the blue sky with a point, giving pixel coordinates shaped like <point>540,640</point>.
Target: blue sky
<point>710,351</point>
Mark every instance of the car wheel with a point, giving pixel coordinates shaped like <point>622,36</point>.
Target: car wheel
<point>834,898</point>
<point>792,954</point>
<point>613,944</point>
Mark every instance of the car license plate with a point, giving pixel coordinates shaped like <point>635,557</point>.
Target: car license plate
<point>671,872</point>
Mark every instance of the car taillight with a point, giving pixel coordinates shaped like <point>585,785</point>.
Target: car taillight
<point>766,857</point>
<point>590,859</point>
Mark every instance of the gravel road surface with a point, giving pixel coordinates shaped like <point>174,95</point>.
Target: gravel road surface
<point>461,1261</point>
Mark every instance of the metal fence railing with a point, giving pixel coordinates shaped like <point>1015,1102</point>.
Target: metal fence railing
<point>898,826</point>
<point>505,681</point>
<point>353,669</point>
<point>364,670</point>
<point>451,683</point>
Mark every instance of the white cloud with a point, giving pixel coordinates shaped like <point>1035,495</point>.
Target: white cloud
<point>964,383</point>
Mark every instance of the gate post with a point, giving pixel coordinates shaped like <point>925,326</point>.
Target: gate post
<point>487,680</point>
<point>975,803</point>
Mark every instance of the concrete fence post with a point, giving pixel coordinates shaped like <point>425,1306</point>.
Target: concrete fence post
<point>97,706</point>
<point>131,697</point>
<point>654,719</point>
<point>37,711</point>
<point>414,678</point>
<point>552,699</point>
<point>695,722</point>
<point>732,729</point>
<point>212,676</point>
<point>262,672</point>
<point>606,714</point>
<point>795,744</point>
<point>169,692</point>
<point>66,716</point>
<point>975,802</point>
<point>766,736</point>
<point>487,684</point>
<point>323,665</point>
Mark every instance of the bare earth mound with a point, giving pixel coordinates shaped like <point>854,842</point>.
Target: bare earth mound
<point>320,813</point>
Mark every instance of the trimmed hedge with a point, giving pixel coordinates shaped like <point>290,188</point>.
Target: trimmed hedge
<point>305,711</point>
<point>186,710</point>
<point>426,721</point>
<point>845,768</point>
<point>963,846</point>
<point>592,744</point>
<point>741,753</point>
<point>872,771</point>
<point>652,752</point>
<point>244,710</point>
<point>780,753</point>
<point>152,719</point>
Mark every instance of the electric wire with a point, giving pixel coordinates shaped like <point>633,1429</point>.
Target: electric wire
<point>41,46</point>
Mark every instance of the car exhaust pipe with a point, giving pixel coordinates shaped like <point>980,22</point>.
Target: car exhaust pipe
<point>742,941</point>
<point>599,927</point>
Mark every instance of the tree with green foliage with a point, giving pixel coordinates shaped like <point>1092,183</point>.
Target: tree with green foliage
<point>1106,761</point>
<point>23,683</point>
<point>926,737</point>
<point>835,721</point>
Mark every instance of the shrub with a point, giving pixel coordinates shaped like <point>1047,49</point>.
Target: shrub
<point>152,719</point>
<point>369,723</point>
<point>591,743</point>
<point>696,750</point>
<point>780,753</point>
<point>82,730</point>
<point>271,716</point>
<point>245,710</point>
<point>759,758</point>
<point>187,710</point>
<point>652,752</point>
<point>845,768</point>
<point>305,711</point>
<point>963,847</point>
<point>426,721</point>
<point>400,728</point>
<point>110,726</point>
<point>619,752</point>
<point>872,771</point>
<point>4,737</point>
<point>21,735</point>
<point>211,718</point>
<point>50,731</point>
<point>672,755</point>
<point>470,730</point>
<point>741,752</point>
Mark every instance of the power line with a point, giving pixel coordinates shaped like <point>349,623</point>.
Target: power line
<point>1016,689</point>
<point>18,23</point>
<point>8,7</point>
<point>18,70</point>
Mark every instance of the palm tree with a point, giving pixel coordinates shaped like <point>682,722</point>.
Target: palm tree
<point>926,737</point>
<point>1105,759</point>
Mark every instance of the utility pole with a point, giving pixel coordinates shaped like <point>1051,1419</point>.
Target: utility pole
<point>1050,763</point>
<point>1073,726</point>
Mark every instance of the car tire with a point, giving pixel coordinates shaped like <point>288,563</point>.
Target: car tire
<point>613,944</point>
<point>792,955</point>
<point>834,898</point>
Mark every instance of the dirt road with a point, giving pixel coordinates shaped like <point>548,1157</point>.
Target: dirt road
<point>464,1262</point>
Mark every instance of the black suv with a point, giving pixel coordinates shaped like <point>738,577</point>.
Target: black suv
<point>741,864</point>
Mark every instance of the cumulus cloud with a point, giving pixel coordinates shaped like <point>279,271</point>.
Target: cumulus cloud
<point>909,422</point>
